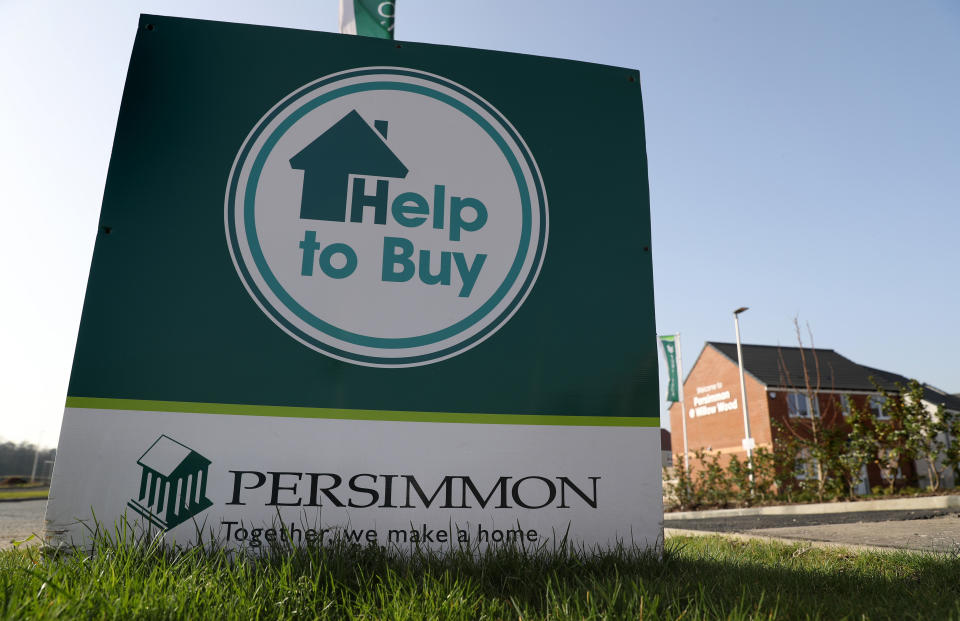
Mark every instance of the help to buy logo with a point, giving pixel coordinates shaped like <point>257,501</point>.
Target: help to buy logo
<point>386,217</point>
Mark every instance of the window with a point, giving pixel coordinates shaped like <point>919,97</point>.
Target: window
<point>876,407</point>
<point>846,404</point>
<point>801,406</point>
<point>804,466</point>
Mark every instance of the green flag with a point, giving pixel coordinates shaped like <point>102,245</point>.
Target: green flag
<point>670,354</point>
<point>369,18</point>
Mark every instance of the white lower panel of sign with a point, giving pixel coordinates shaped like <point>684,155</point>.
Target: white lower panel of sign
<point>391,483</point>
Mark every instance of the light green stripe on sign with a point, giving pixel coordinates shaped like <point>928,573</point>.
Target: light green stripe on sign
<point>341,414</point>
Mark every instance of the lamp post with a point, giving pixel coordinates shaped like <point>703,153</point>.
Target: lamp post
<point>36,457</point>
<point>683,407</point>
<point>747,440</point>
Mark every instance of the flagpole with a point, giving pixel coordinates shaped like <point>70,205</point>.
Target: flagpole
<point>683,406</point>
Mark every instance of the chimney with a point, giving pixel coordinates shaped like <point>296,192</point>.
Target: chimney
<point>381,126</point>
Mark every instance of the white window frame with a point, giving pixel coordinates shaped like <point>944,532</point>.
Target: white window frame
<point>846,404</point>
<point>804,466</point>
<point>812,409</point>
<point>875,403</point>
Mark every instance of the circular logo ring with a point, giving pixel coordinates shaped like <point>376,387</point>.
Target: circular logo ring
<point>306,326</point>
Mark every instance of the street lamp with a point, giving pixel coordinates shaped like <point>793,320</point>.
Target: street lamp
<point>747,440</point>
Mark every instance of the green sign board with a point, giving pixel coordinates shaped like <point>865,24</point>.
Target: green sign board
<point>308,241</point>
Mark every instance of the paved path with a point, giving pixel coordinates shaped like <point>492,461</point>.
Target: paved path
<point>936,534</point>
<point>19,520</point>
<point>928,530</point>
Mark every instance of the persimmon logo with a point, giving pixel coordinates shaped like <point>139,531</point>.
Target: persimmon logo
<point>386,217</point>
<point>173,484</point>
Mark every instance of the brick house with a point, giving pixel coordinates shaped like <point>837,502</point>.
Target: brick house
<point>774,383</point>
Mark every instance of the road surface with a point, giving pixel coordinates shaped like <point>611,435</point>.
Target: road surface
<point>19,520</point>
<point>932,530</point>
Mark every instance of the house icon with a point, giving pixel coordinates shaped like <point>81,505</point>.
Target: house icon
<point>173,483</point>
<point>349,147</point>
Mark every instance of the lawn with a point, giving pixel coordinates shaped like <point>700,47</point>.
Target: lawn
<point>697,578</point>
<point>23,494</point>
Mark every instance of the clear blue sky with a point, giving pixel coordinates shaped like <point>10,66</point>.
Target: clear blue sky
<point>804,160</point>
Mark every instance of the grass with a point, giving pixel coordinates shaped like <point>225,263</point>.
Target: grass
<point>23,494</point>
<point>697,578</point>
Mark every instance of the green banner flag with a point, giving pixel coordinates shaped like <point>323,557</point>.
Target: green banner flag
<point>369,18</point>
<point>670,354</point>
